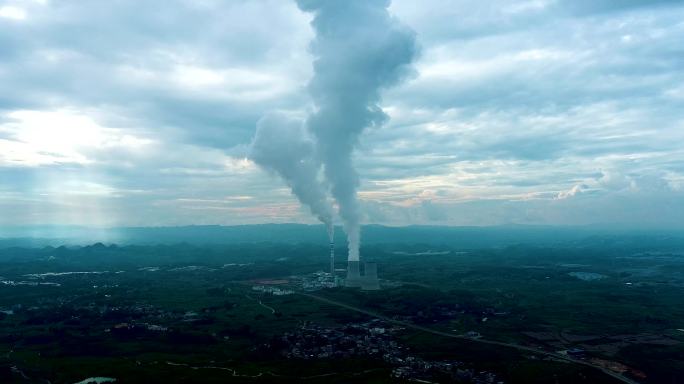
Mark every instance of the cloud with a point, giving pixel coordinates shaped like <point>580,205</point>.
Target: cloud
<point>537,111</point>
<point>34,138</point>
<point>14,13</point>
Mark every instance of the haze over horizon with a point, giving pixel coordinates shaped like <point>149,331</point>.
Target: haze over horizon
<point>536,112</point>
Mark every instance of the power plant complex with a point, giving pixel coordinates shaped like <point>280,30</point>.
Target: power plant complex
<point>367,282</point>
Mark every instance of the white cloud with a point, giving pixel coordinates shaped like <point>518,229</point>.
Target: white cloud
<point>570,193</point>
<point>34,138</point>
<point>14,13</point>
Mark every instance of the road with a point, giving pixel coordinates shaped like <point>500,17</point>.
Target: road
<point>463,337</point>
<point>273,311</point>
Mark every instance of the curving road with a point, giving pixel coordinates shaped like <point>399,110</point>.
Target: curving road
<point>483,341</point>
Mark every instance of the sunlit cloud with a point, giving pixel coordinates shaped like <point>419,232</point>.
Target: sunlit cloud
<point>34,138</point>
<point>11,12</point>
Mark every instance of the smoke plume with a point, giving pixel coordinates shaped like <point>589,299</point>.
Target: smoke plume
<point>360,49</point>
<point>282,146</point>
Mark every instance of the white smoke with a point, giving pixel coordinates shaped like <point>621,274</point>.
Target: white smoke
<point>360,49</point>
<point>282,146</point>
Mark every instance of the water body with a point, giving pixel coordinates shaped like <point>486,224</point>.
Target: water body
<point>426,253</point>
<point>246,264</point>
<point>97,380</point>
<point>587,276</point>
<point>50,274</point>
<point>191,268</point>
<point>29,283</point>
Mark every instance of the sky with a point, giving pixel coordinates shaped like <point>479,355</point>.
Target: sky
<point>548,112</point>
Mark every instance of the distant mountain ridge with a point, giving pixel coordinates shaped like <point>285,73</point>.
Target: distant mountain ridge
<point>462,237</point>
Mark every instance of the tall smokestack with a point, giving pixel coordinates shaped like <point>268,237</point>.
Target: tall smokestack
<point>332,259</point>
<point>331,235</point>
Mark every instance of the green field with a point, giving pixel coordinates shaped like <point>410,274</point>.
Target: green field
<point>215,328</point>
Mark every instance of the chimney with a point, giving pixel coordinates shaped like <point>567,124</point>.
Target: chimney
<point>370,277</point>
<point>332,259</point>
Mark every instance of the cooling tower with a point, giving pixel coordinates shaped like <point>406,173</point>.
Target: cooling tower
<point>369,282</point>
<point>353,274</point>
